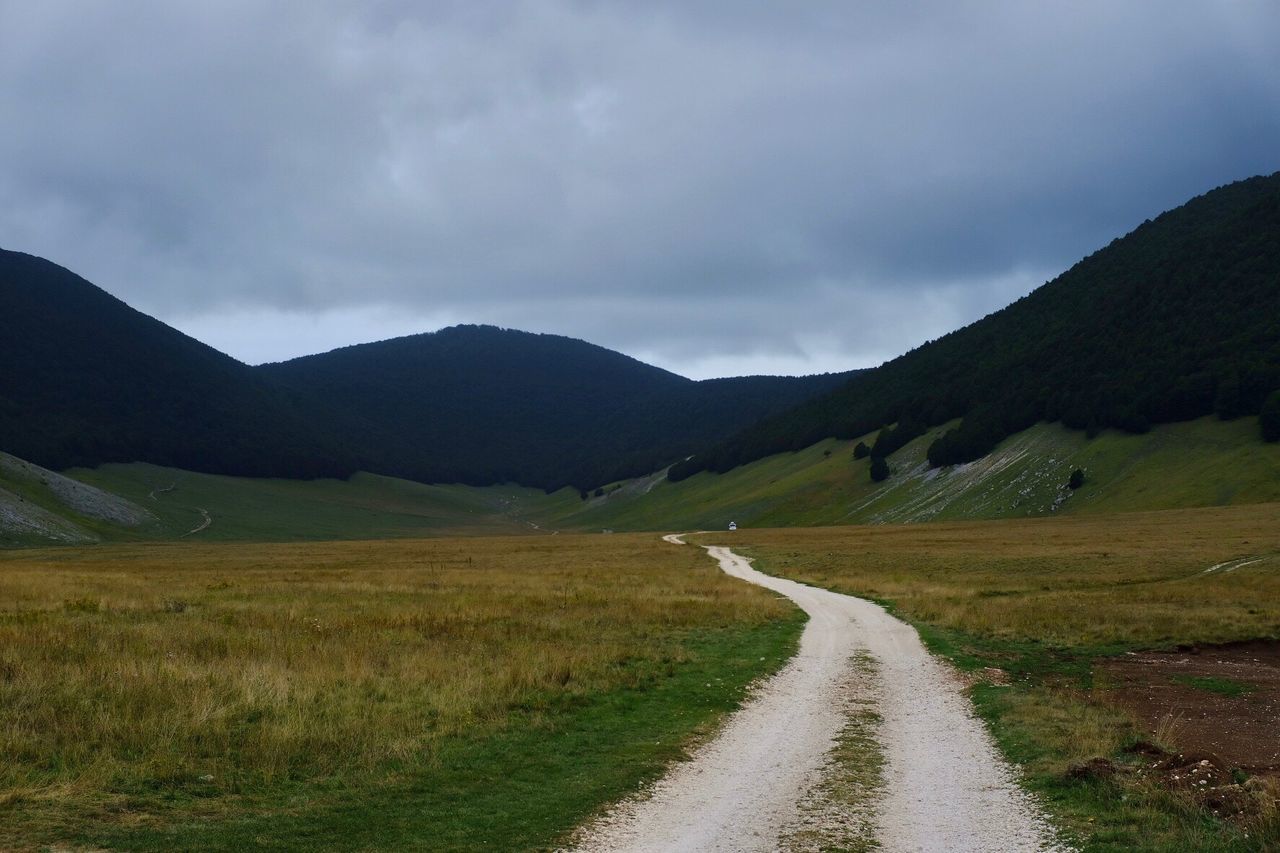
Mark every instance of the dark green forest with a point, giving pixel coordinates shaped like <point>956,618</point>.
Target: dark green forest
<point>1177,320</point>
<point>479,405</point>
<point>87,380</point>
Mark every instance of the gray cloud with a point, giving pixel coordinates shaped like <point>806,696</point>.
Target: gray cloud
<point>712,186</point>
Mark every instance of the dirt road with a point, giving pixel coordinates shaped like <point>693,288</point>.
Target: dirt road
<point>946,787</point>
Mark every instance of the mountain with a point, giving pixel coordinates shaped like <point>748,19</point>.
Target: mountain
<point>87,380</point>
<point>1177,320</point>
<point>480,405</point>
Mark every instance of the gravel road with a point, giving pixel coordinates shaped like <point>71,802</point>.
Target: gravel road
<point>947,789</point>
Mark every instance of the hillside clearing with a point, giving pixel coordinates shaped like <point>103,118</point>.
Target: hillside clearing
<point>1206,462</point>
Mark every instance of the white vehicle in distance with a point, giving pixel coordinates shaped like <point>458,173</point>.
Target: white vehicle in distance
<point>733,525</point>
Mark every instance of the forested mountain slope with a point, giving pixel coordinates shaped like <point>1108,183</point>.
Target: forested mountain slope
<point>86,379</point>
<point>1178,319</point>
<point>479,405</point>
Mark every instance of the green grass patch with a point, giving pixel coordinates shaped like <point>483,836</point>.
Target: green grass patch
<point>1217,685</point>
<point>365,506</point>
<point>841,812</point>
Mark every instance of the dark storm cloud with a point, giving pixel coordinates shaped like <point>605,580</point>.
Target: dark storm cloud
<point>719,187</point>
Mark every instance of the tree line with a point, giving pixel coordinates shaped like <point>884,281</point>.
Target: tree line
<point>1177,320</point>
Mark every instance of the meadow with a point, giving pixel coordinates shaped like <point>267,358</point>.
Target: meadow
<point>451,693</point>
<point>1034,611</point>
<point>366,506</point>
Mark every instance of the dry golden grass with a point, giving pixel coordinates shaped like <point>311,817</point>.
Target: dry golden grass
<point>127,668</point>
<point>1077,581</point>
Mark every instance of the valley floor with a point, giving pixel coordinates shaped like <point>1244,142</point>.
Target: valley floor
<point>499,691</point>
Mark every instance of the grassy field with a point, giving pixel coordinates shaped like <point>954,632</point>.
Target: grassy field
<point>365,507</point>
<point>493,691</point>
<point>34,507</point>
<point>1030,607</point>
<point>447,694</point>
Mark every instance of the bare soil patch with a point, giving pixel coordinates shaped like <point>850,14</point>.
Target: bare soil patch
<point>1219,701</point>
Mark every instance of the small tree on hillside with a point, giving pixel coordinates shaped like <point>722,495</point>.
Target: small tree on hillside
<point>1077,478</point>
<point>879,469</point>
<point>1270,417</point>
<point>1229,404</point>
<point>881,446</point>
<point>861,451</point>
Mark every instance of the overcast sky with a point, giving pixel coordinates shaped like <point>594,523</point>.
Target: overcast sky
<point>719,187</point>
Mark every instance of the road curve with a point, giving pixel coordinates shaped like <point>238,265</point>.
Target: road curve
<point>946,786</point>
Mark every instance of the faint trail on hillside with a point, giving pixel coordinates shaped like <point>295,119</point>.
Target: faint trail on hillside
<point>204,523</point>
<point>509,508</point>
<point>1231,565</point>
<point>161,490</point>
<point>205,518</point>
<point>947,787</point>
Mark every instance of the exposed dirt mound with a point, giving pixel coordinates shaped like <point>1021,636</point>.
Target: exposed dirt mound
<point>1199,777</point>
<point>1094,768</point>
<point>1205,779</point>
